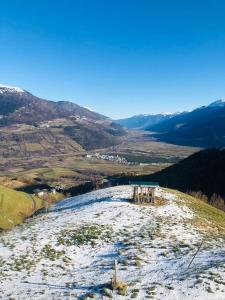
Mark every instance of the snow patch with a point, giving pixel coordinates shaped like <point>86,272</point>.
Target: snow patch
<point>10,89</point>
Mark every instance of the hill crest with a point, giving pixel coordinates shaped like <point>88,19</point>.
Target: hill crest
<point>82,236</point>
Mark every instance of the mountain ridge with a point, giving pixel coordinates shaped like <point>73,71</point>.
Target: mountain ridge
<point>87,128</point>
<point>201,128</point>
<point>16,101</point>
<point>142,121</point>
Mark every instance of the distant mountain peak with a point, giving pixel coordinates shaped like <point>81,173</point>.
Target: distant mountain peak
<point>10,89</point>
<point>146,120</point>
<point>166,113</point>
<point>217,103</point>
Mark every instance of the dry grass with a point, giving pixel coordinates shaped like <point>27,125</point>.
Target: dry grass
<point>208,219</point>
<point>120,286</point>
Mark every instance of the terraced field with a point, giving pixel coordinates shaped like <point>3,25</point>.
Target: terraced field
<point>36,142</point>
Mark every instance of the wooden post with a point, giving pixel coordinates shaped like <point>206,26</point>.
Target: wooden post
<point>114,278</point>
<point>137,194</point>
<point>136,199</point>
<point>141,194</point>
<point>135,188</point>
<point>115,265</point>
<point>135,191</point>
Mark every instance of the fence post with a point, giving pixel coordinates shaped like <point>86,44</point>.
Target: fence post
<point>116,271</point>
<point>114,277</point>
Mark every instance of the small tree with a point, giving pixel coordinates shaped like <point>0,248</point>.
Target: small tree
<point>199,195</point>
<point>47,201</point>
<point>217,201</point>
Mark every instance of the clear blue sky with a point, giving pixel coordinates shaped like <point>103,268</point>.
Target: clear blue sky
<point>118,57</point>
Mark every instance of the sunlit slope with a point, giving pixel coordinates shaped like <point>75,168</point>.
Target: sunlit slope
<point>207,218</point>
<point>16,206</point>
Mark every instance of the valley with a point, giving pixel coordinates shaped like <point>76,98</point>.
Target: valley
<point>202,127</point>
<point>59,144</point>
<point>34,156</point>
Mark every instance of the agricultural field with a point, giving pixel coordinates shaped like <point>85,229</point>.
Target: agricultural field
<point>70,172</point>
<point>32,156</point>
<point>141,147</point>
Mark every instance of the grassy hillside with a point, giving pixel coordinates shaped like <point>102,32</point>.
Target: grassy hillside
<point>208,219</point>
<point>16,206</point>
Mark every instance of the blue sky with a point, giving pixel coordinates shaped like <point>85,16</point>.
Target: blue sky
<point>118,57</point>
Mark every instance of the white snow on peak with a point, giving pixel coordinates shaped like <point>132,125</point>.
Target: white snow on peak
<point>217,103</point>
<point>166,113</point>
<point>11,89</point>
<point>88,108</point>
<point>155,114</point>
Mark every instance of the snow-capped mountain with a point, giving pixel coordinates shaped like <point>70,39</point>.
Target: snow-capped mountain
<point>166,113</point>
<point>20,106</point>
<point>10,89</point>
<point>217,103</point>
<point>146,120</point>
<point>86,127</point>
<point>204,127</point>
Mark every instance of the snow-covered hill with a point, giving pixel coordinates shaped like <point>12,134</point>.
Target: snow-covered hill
<point>69,253</point>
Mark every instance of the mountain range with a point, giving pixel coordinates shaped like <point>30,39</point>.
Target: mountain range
<point>202,127</point>
<point>144,121</point>
<point>20,106</point>
<point>21,110</point>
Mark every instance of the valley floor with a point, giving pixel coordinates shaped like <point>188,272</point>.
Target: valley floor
<point>69,253</point>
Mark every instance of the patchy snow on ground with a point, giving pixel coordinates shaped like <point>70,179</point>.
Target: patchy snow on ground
<point>69,253</point>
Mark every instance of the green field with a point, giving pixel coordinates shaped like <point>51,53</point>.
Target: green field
<point>15,207</point>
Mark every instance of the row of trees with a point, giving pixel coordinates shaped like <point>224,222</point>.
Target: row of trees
<point>215,200</point>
